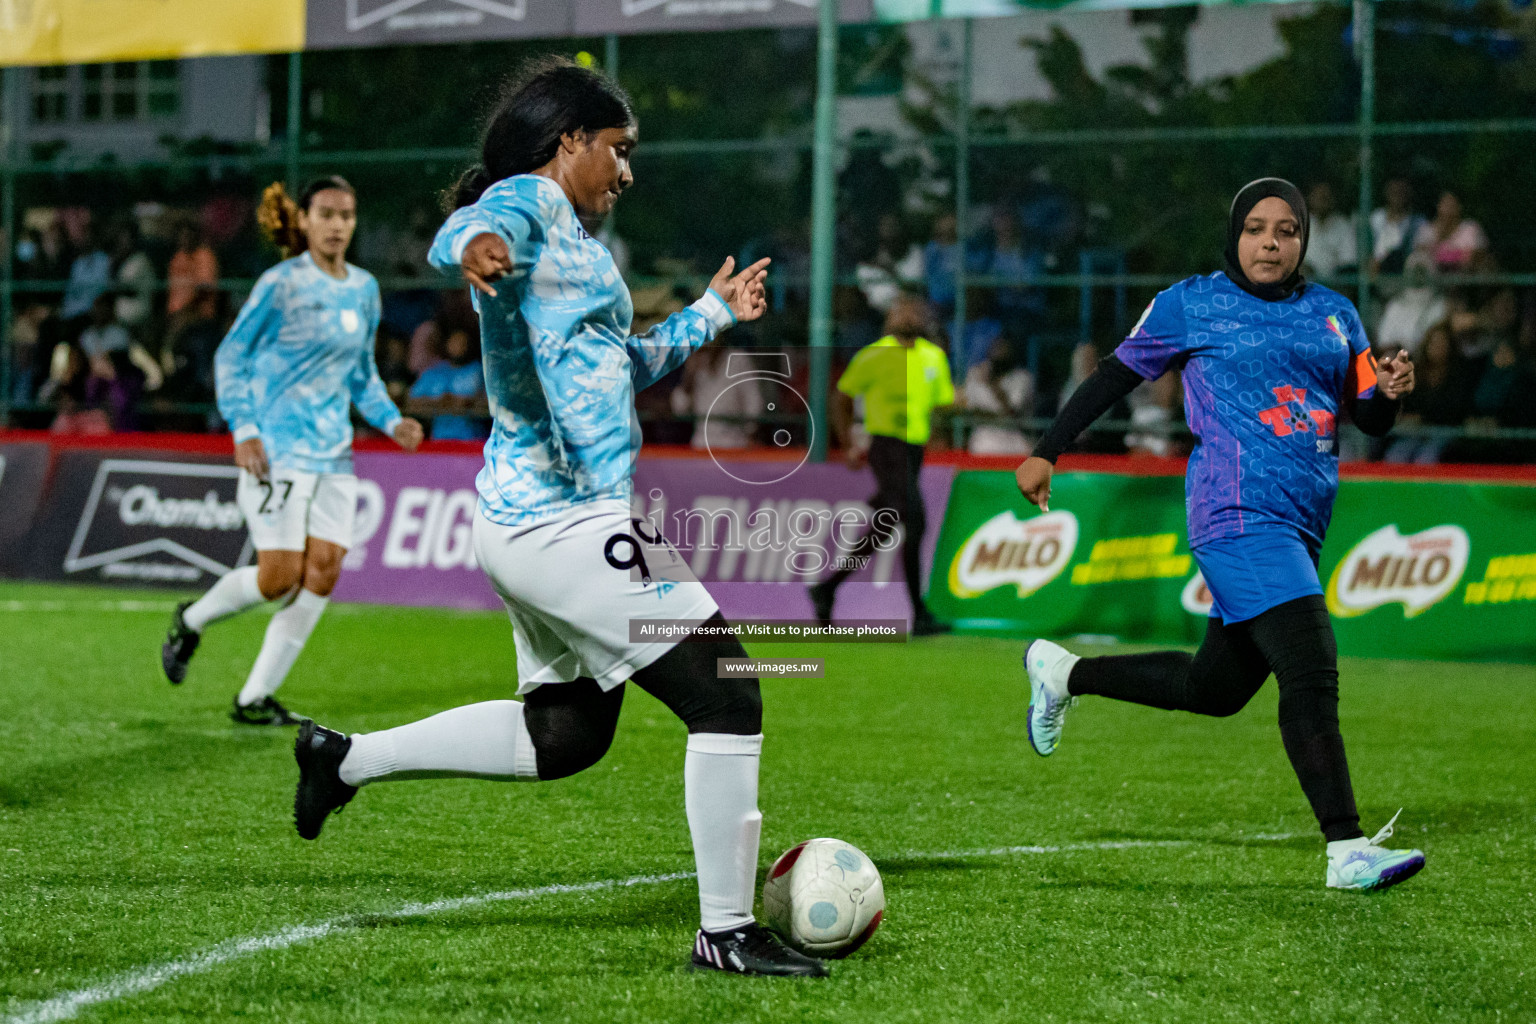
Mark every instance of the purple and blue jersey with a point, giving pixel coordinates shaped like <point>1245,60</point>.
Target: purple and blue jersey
<point>1263,386</point>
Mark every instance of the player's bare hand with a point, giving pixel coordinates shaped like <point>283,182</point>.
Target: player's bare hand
<point>409,434</point>
<point>252,457</point>
<point>746,293</point>
<point>486,259</point>
<point>1034,479</point>
<point>855,456</point>
<point>1394,375</point>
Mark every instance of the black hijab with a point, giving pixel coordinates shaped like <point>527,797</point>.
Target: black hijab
<point>1243,203</point>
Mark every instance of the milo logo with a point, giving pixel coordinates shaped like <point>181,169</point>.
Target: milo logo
<point>1416,571</point>
<point>1026,553</point>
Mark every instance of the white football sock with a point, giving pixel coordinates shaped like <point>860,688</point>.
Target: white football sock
<point>233,593</point>
<point>287,634</point>
<point>720,792</point>
<point>477,741</point>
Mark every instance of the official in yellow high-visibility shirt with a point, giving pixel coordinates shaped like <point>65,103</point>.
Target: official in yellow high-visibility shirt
<point>902,379</point>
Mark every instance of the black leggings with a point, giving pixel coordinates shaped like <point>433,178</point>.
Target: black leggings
<point>1294,640</point>
<point>572,723</point>
<point>897,465</point>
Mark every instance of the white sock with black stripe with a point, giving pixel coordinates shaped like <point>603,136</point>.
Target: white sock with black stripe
<point>720,793</point>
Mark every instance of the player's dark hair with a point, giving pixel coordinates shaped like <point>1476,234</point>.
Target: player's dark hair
<point>548,97</point>
<point>278,214</point>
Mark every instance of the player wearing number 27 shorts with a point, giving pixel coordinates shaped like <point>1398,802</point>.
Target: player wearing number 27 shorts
<point>297,358</point>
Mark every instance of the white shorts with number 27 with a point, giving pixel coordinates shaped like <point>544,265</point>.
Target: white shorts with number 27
<point>572,584</point>
<point>290,506</point>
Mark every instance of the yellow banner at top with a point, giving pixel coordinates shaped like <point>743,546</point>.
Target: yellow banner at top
<point>87,31</point>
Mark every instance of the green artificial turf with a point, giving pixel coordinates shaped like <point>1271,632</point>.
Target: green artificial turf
<point>139,827</point>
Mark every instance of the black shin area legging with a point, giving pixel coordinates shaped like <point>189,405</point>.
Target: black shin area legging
<point>897,465</point>
<point>1295,641</point>
<point>572,723</point>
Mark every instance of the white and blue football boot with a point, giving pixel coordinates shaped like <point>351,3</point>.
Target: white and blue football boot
<point>1048,666</point>
<point>1364,866</point>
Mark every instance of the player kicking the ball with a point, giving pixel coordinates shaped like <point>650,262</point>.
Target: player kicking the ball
<point>553,530</point>
<point>297,357</point>
<point>1269,361</point>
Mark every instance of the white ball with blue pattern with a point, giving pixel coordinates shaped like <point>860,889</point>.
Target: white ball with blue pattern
<point>824,897</point>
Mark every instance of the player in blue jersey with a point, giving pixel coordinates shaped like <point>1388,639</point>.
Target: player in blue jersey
<point>584,581</point>
<point>1269,363</point>
<point>298,357</point>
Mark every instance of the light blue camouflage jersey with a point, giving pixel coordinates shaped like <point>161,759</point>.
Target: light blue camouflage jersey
<point>561,368</point>
<point>298,356</point>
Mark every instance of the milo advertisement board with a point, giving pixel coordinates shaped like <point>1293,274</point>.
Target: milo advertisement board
<point>1410,569</point>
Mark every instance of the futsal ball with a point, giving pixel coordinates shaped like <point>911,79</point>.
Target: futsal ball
<point>825,897</point>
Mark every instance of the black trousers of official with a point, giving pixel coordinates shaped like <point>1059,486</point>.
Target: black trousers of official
<point>1293,640</point>
<point>896,464</point>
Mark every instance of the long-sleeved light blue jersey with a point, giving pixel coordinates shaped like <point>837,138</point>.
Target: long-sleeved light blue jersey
<point>297,357</point>
<point>561,368</point>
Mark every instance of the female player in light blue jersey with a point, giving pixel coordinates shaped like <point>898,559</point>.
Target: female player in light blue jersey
<point>1270,363</point>
<point>553,531</point>
<point>298,357</point>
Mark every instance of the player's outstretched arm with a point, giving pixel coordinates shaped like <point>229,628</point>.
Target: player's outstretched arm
<point>487,259</point>
<point>731,299</point>
<point>1112,381</point>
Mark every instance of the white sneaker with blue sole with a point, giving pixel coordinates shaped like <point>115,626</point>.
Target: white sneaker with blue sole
<point>1364,866</point>
<point>1048,666</point>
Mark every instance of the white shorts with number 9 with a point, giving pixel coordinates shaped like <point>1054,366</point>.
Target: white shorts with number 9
<point>572,584</point>
<point>290,506</point>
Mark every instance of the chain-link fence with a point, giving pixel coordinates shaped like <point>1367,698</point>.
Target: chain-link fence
<point>1037,222</point>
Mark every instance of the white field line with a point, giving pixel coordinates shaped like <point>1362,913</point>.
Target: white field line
<point>144,979</point>
<point>87,606</point>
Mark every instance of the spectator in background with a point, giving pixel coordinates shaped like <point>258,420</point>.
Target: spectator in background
<point>867,187</point>
<point>394,359</point>
<point>117,369</point>
<point>983,330</point>
<point>453,310</point>
<point>452,392</point>
<point>1441,398</point>
<point>65,391</point>
<point>1410,313</point>
<point>42,254</point>
<point>1452,239</point>
<point>1481,316</point>
<point>192,283</point>
<point>1002,390</point>
<point>34,333</point>
<point>854,323</point>
<point>941,265</point>
<point>891,264</point>
<point>723,412</point>
<point>133,278</point>
<point>1505,395</point>
<point>1003,255</point>
<point>90,275</point>
<point>1331,239</point>
<point>1394,228</point>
